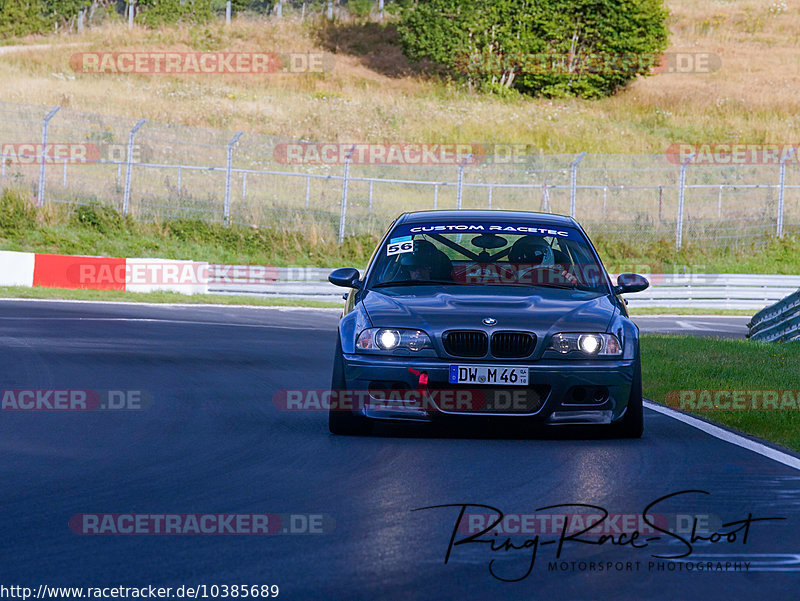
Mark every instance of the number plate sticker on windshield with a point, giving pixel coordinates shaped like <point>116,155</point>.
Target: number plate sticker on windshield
<point>504,375</point>
<point>398,246</point>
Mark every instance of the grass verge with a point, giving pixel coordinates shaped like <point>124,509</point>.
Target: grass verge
<point>675,363</point>
<point>157,297</point>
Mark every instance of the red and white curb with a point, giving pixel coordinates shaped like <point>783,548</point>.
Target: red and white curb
<point>103,273</point>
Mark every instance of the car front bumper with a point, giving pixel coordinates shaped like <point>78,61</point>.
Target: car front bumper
<point>556,384</point>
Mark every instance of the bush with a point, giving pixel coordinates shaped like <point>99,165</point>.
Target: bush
<point>360,9</point>
<point>585,48</point>
<point>160,12</point>
<point>100,218</point>
<point>17,214</point>
<point>21,17</point>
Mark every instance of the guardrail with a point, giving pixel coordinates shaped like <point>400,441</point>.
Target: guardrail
<point>714,291</point>
<point>702,291</point>
<point>779,322</point>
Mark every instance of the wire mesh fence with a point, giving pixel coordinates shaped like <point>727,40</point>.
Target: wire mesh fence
<point>157,171</point>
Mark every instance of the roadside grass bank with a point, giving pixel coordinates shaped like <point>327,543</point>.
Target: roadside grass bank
<point>671,364</point>
<point>96,229</point>
<point>374,94</point>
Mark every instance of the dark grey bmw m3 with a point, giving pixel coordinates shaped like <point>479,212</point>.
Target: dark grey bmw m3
<point>479,317</point>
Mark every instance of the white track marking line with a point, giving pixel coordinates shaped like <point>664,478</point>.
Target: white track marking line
<point>727,436</point>
<point>729,326</point>
<point>685,325</point>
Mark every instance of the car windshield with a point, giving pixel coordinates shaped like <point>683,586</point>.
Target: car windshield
<point>488,254</point>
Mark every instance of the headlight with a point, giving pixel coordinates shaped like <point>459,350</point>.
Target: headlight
<point>389,339</point>
<point>593,345</point>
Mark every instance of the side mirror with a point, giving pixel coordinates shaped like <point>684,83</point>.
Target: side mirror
<point>346,277</point>
<point>630,282</point>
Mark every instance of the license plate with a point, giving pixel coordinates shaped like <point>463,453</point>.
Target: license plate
<point>505,375</point>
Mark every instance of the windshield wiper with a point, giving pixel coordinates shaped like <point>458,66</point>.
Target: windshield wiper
<point>413,283</point>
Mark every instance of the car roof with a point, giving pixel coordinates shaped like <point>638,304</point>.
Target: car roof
<point>472,215</point>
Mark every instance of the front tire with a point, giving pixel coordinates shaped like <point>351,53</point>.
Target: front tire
<point>341,421</point>
<point>632,423</point>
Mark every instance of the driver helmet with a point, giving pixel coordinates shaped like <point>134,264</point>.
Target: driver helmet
<point>422,256</point>
<point>533,250</point>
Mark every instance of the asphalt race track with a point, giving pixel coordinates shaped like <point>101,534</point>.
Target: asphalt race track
<point>211,440</point>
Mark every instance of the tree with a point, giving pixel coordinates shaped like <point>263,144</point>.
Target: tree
<point>585,48</point>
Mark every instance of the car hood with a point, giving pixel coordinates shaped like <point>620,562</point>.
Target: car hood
<point>435,309</point>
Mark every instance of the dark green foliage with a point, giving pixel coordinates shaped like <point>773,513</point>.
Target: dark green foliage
<point>21,17</point>
<point>17,214</point>
<point>100,218</point>
<point>586,48</point>
<point>160,12</point>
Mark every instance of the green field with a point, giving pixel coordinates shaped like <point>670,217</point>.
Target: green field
<point>674,363</point>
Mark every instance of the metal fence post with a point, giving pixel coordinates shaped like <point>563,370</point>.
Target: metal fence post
<point>435,196</point>
<point>131,4</point>
<point>279,9</point>
<point>128,169</point>
<point>719,203</point>
<point>226,212</point>
<point>228,12</point>
<point>308,189</point>
<point>490,196</point>
<point>461,180</point>
<point>330,9</point>
<point>370,195</point>
<point>679,226</point>
<point>64,178</point>
<point>545,198</point>
<point>380,10</point>
<point>179,182</point>
<point>779,225</point>
<point>343,214</point>
<point>573,182</point>
<point>45,126</point>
